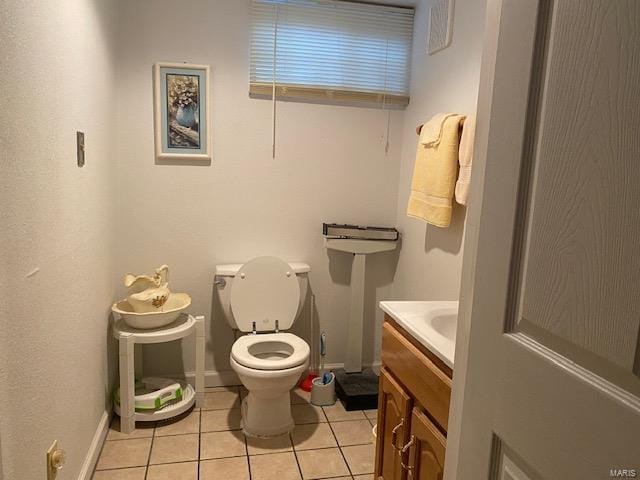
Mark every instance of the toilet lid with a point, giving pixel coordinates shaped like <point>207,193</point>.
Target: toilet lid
<point>264,290</point>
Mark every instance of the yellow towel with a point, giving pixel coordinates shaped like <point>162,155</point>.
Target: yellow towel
<point>434,174</point>
<point>431,132</point>
<point>466,158</point>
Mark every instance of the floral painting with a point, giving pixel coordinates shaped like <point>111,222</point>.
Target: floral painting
<point>181,111</point>
<point>182,105</point>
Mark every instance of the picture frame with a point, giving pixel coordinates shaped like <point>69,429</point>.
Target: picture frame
<point>182,120</point>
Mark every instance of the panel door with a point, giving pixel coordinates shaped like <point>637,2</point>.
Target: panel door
<point>552,375</point>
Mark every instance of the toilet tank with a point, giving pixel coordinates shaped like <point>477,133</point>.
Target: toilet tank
<point>226,273</point>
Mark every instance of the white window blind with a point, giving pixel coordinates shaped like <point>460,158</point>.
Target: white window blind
<point>331,50</point>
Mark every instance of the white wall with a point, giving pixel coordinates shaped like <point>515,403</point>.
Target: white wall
<point>430,263</point>
<point>58,77</point>
<point>330,166</point>
<point>431,258</point>
<point>56,247</point>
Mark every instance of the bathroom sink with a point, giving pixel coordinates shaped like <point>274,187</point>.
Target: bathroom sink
<point>445,323</point>
<point>433,324</point>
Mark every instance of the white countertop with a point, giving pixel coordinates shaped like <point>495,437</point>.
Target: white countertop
<point>433,324</point>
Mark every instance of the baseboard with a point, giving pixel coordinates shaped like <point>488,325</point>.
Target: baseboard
<point>96,446</point>
<point>212,378</point>
<point>215,378</point>
<point>375,366</point>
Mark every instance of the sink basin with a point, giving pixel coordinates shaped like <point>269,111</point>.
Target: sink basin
<point>433,324</point>
<point>171,310</point>
<point>445,322</point>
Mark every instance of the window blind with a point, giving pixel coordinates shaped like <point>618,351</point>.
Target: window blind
<point>331,50</point>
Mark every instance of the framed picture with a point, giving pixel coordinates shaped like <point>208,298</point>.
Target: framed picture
<point>182,120</point>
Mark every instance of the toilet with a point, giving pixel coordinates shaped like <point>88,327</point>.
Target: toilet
<point>262,298</point>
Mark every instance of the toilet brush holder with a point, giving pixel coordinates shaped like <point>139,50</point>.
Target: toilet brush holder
<point>323,394</point>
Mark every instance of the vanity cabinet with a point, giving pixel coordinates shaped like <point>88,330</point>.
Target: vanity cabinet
<point>425,455</point>
<point>413,409</point>
<point>394,408</point>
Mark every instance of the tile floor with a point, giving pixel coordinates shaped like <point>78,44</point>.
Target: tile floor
<point>207,444</point>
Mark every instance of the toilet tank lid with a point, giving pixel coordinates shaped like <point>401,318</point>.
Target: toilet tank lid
<point>230,269</point>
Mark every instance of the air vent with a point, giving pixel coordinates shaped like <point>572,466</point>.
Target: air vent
<point>440,20</point>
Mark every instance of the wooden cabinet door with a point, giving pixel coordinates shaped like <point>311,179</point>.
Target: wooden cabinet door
<point>394,412</point>
<point>425,455</point>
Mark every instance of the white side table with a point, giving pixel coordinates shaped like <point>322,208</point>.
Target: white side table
<point>130,364</point>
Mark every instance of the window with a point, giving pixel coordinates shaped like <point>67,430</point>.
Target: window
<point>331,51</point>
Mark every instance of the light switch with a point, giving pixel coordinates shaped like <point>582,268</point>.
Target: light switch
<point>80,148</point>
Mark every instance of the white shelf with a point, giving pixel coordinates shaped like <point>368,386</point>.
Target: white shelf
<point>170,411</point>
<point>130,361</point>
<point>181,327</point>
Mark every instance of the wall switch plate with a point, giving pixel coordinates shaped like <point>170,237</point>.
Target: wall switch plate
<point>80,148</point>
<point>55,460</point>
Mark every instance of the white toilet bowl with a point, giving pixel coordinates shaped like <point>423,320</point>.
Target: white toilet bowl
<point>269,366</point>
<point>264,299</point>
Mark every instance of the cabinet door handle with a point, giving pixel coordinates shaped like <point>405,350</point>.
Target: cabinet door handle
<point>404,450</point>
<point>394,435</point>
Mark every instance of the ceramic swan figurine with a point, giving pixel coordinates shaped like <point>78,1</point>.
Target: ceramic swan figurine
<point>149,293</point>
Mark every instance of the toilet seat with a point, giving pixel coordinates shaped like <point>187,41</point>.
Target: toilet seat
<point>270,351</point>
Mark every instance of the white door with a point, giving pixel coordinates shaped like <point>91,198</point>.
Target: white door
<point>552,288</point>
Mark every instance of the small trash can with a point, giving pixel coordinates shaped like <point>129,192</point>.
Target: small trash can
<point>323,394</point>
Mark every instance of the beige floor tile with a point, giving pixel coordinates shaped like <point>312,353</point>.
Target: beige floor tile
<point>324,463</point>
<point>313,435</point>
<point>174,471</point>
<point>352,432</point>
<point>189,423</point>
<point>233,468</point>
<point>222,444</point>
<point>299,396</point>
<point>360,458</point>
<point>369,476</point>
<point>274,466</point>
<point>175,448</point>
<point>124,453</point>
<point>121,474</point>
<point>305,413</point>
<point>143,430</point>
<point>220,420</point>
<point>221,400</point>
<point>337,413</point>
<point>259,446</point>
<point>371,414</point>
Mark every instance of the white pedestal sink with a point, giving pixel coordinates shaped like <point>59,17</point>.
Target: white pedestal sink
<point>360,249</point>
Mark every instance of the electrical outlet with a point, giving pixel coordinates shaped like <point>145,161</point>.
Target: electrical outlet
<point>55,460</point>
